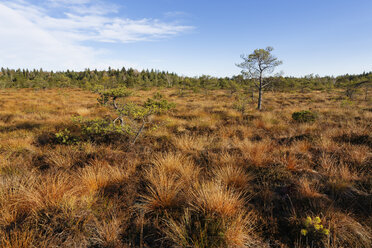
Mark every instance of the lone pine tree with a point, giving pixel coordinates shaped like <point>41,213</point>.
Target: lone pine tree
<point>257,66</point>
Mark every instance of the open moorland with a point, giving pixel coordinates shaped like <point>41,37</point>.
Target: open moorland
<point>209,172</point>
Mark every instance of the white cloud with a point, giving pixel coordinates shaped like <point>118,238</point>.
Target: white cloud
<point>32,37</point>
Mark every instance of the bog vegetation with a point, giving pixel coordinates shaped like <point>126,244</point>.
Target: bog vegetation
<point>121,158</point>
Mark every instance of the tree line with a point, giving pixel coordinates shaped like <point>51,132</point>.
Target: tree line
<point>131,78</point>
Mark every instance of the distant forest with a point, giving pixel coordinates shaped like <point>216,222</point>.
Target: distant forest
<point>112,78</point>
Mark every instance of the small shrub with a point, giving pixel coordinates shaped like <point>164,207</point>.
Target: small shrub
<point>241,104</point>
<point>133,118</point>
<point>106,95</point>
<point>101,130</point>
<point>158,96</point>
<point>158,106</point>
<point>304,116</point>
<point>64,137</point>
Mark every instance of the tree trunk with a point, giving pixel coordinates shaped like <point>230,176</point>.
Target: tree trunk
<point>260,93</point>
<point>114,103</point>
<point>259,98</point>
<point>139,132</point>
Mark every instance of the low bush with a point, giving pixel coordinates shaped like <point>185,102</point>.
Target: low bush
<point>64,137</point>
<point>241,104</point>
<point>304,116</point>
<point>101,130</point>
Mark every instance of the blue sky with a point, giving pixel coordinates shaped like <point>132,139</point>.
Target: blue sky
<point>189,37</point>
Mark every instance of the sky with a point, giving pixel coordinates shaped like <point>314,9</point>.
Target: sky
<point>189,37</point>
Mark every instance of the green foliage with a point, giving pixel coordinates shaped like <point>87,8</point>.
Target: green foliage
<point>102,100</point>
<point>117,92</point>
<point>158,96</point>
<point>64,137</point>
<point>158,106</point>
<point>314,231</point>
<point>150,107</point>
<point>101,130</point>
<point>233,86</point>
<point>106,95</point>
<point>241,103</point>
<point>108,79</point>
<point>304,116</point>
<point>259,63</point>
<point>347,103</point>
<point>133,111</point>
<point>132,117</point>
<point>139,115</point>
<point>257,66</point>
<point>195,89</point>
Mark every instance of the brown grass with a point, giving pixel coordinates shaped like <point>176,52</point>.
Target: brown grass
<point>211,197</point>
<point>209,176</point>
<point>232,176</point>
<point>168,182</point>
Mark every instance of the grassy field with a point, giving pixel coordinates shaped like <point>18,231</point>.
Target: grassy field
<point>208,176</point>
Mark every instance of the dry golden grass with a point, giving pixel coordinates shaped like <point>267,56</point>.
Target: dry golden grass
<point>346,232</point>
<point>309,189</point>
<point>188,143</point>
<point>256,153</point>
<point>53,192</point>
<point>178,165</point>
<point>209,176</point>
<point>232,176</point>
<point>168,182</point>
<point>204,232</point>
<point>108,232</point>
<point>211,197</point>
<point>18,239</point>
<point>100,174</point>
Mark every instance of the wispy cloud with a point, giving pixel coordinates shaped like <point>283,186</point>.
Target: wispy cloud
<point>88,20</point>
<point>84,6</point>
<point>173,14</point>
<point>56,31</point>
